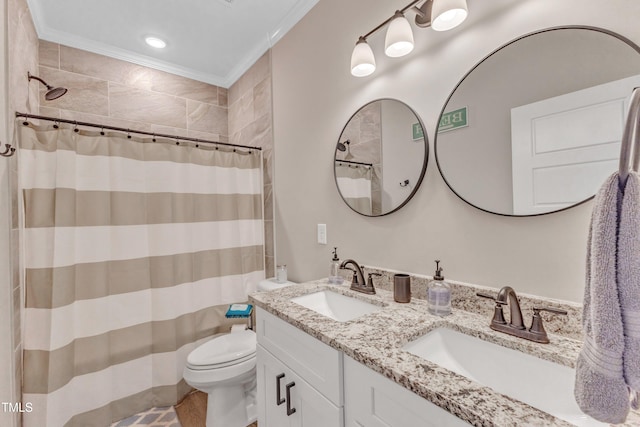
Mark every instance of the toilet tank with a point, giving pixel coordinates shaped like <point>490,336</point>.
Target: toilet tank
<point>271,284</point>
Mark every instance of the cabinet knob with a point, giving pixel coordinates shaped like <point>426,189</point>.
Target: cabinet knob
<point>290,410</point>
<point>279,399</point>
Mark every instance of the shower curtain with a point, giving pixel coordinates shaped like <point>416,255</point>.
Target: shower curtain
<point>132,251</point>
<point>354,183</point>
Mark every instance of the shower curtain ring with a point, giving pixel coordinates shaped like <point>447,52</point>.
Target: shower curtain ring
<point>56,125</point>
<point>9,151</point>
<point>128,134</point>
<point>154,138</point>
<point>75,127</point>
<point>102,131</point>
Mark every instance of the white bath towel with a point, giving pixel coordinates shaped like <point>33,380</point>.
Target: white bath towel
<point>600,389</point>
<point>629,282</point>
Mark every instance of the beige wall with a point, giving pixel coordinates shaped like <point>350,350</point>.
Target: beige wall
<point>314,95</point>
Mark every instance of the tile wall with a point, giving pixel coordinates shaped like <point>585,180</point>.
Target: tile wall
<point>118,93</point>
<point>22,49</point>
<point>364,133</point>
<point>251,123</point>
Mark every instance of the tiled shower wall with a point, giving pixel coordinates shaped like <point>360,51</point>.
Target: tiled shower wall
<point>363,131</point>
<point>22,53</point>
<point>251,123</point>
<point>118,93</point>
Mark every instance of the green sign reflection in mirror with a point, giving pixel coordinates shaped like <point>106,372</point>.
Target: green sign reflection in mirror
<point>544,116</point>
<point>381,157</point>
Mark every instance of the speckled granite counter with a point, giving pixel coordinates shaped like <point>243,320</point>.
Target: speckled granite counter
<point>376,341</point>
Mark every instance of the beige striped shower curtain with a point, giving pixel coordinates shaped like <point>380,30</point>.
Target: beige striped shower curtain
<point>132,251</point>
<point>354,183</point>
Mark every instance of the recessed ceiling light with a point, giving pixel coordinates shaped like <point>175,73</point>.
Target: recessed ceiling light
<point>155,42</point>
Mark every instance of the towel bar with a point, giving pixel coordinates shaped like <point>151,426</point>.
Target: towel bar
<point>630,139</point>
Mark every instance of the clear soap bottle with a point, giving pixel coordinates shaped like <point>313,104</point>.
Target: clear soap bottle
<point>334,270</point>
<point>439,294</point>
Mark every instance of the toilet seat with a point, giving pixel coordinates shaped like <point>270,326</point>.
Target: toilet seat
<point>223,351</point>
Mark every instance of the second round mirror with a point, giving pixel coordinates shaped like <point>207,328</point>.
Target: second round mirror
<point>380,157</point>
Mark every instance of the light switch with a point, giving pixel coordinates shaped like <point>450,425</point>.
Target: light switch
<point>322,234</point>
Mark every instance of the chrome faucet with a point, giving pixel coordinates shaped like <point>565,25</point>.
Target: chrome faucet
<point>515,327</point>
<point>358,282</point>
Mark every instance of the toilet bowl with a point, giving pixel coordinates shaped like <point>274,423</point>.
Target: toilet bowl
<point>225,369</point>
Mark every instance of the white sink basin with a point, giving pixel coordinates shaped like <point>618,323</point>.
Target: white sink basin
<point>539,383</point>
<point>335,306</point>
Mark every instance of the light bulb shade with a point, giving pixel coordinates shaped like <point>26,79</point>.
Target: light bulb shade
<point>448,14</point>
<point>363,62</point>
<point>399,38</point>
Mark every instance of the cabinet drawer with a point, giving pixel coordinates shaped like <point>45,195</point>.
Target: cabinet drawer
<point>317,363</point>
<point>373,400</point>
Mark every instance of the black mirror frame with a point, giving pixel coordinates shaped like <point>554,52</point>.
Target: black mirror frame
<point>425,162</point>
<point>435,138</point>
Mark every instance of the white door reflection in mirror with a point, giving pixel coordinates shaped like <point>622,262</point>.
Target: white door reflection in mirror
<point>541,172</point>
<point>564,147</point>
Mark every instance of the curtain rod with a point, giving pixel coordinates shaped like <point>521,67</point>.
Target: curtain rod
<point>140,132</point>
<point>355,163</point>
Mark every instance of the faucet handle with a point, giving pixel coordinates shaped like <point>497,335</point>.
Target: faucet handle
<point>537,326</point>
<point>354,279</point>
<point>498,314</point>
<point>492,298</point>
<point>549,310</point>
<point>370,279</point>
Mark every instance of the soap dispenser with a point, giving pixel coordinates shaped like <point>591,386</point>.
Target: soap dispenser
<point>439,294</point>
<point>334,271</point>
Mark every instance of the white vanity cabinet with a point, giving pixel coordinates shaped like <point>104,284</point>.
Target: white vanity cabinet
<point>373,400</point>
<point>299,377</point>
<point>304,382</point>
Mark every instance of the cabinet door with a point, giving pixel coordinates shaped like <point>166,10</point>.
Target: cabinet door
<point>372,400</point>
<point>319,364</point>
<point>302,405</point>
<point>271,390</point>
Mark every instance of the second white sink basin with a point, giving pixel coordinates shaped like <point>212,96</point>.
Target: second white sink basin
<point>335,306</point>
<point>537,382</point>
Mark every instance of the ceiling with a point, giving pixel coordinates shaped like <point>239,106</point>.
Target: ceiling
<point>214,41</point>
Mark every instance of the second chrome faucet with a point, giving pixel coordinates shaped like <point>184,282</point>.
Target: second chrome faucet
<point>507,296</point>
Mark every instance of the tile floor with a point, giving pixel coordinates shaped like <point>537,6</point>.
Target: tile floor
<point>154,417</point>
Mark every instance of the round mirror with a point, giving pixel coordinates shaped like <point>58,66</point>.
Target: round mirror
<point>536,126</point>
<point>381,157</point>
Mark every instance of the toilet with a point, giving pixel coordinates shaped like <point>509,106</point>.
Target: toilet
<point>225,369</point>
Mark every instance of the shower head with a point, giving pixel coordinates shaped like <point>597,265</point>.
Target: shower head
<point>52,92</point>
<point>342,146</point>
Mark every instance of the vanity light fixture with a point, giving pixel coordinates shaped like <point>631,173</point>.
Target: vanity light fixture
<point>441,15</point>
<point>399,39</point>
<point>155,42</point>
<point>363,62</point>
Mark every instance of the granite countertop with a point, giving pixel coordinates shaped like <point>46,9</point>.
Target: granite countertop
<point>376,341</point>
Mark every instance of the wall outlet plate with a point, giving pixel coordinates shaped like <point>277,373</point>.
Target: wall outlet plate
<point>322,234</point>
